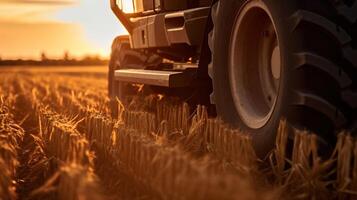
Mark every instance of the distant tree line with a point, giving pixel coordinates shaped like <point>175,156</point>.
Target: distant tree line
<point>65,61</point>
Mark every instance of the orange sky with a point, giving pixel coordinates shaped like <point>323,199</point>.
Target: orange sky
<point>28,27</point>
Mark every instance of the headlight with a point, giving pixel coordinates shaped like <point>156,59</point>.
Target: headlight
<point>138,6</point>
<point>127,6</point>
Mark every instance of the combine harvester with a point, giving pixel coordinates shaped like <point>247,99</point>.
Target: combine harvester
<point>256,61</point>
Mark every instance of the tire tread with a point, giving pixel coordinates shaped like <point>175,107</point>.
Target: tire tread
<point>348,12</point>
<point>317,103</point>
<point>324,65</point>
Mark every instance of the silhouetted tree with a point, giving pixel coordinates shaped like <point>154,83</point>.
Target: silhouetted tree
<point>43,56</point>
<point>66,56</point>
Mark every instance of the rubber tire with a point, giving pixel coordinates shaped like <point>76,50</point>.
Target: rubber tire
<point>319,67</point>
<point>123,57</point>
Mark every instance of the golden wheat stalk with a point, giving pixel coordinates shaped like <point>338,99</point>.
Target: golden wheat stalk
<point>71,153</point>
<point>11,135</point>
<point>167,170</point>
<point>140,141</point>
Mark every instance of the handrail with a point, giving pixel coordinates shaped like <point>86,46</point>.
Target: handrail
<point>129,26</point>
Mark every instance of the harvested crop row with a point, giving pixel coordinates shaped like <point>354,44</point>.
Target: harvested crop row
<point>71,161</point>
<point>56,152</point>
<point>86,92</point>
<point>11,135</point>
<point>296,175</point>
<point>165,169</point>
<point>302,174</point>
<point>33,163</point>
<point>174,123</point>
<point>194,133</point>
<point>305,175</point>
<point>38,167</point>
<point>154,124</point>
<point>106,147</point>
<point>102,133</point>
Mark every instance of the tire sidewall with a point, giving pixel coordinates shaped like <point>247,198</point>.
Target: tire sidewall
<point>120,44</point>
<point>124,57</point>
<point>263,138</point>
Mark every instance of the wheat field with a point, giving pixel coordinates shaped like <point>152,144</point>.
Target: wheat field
<point>58,141</point>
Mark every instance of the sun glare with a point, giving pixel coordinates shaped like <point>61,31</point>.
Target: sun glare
<point>126,5</point>
<point>99,24</point>
<point>95,24</point>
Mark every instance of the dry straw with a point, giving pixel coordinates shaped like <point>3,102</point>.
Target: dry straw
<point>175,153</point>
<point>73,161</point>
<point>11,135</point>
<point>166,170</point>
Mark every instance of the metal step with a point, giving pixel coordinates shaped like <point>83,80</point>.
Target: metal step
<point>171,79</point>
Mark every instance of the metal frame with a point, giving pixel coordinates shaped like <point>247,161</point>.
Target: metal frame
<point>181,31</point>
<point>170,79</point>
<point>124,18</point>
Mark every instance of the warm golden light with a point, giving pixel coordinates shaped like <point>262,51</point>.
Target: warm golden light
<point>126,5</point>
<point>80,27</point>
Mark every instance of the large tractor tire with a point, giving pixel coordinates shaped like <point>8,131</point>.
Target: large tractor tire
<point>295,59</point>
<point>123,57</point>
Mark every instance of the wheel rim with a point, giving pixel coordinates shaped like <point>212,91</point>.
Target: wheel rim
<point>254,64</point>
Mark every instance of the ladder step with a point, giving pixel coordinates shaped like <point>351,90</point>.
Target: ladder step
<point>171,79</point>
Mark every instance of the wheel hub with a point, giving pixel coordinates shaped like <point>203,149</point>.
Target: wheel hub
<point>275,63</point>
